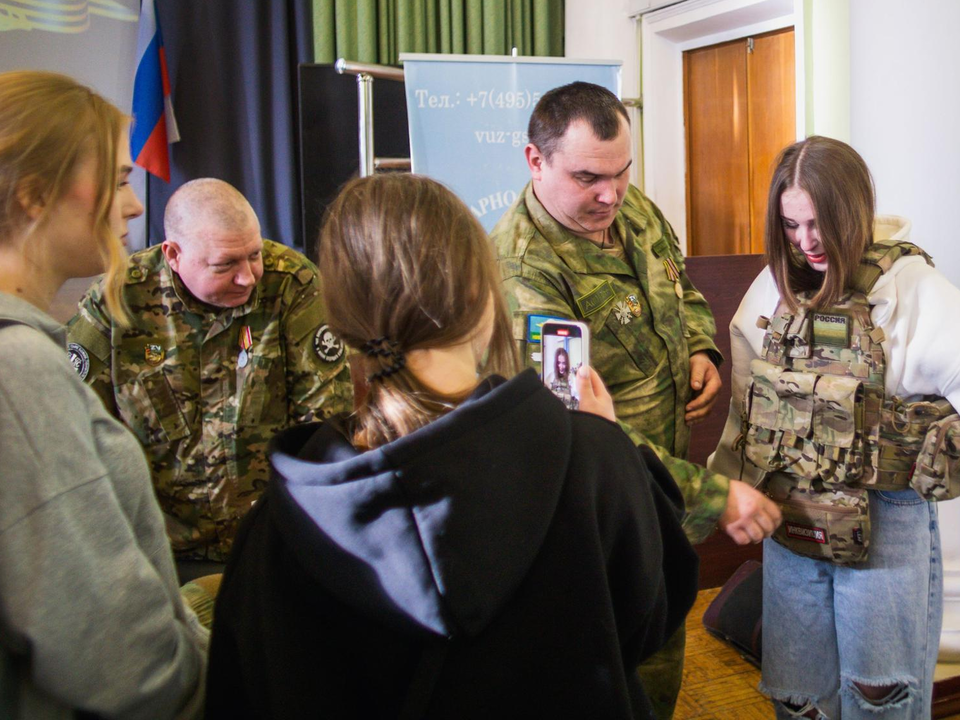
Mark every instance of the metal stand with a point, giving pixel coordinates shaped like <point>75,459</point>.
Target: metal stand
<point>365,73</point>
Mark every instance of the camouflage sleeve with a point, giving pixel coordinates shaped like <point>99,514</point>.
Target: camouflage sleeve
<point>528,296</point>
<point>699,319</point>
<point>318,375</point>
<point>704,492</point>
<point>88,339</point>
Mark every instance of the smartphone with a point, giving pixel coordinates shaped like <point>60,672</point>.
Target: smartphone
<point>565,346</point>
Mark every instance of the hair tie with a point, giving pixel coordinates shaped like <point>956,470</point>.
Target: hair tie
<point>385,349</point>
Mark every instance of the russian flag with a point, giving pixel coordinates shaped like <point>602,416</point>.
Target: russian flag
<point>153,123</point>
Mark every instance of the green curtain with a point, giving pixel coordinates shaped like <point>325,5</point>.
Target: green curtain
<point>377,31</point>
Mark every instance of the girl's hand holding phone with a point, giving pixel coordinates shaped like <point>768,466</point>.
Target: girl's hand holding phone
<point>594,397</point>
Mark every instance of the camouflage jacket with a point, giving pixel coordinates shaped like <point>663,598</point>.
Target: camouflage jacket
<point>642,332</point>
<point>202,411</point>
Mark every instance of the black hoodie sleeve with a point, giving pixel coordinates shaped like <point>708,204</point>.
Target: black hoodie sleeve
<point>228,669</point>
<point>652,567</point>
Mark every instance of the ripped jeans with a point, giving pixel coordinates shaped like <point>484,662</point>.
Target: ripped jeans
<point>829,630</point>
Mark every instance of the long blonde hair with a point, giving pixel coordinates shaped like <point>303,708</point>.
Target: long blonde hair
<point>48,124</point>
<point>841,190</point>
<point>402,258</point>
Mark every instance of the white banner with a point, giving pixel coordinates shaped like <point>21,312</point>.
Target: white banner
<point>468,118</point>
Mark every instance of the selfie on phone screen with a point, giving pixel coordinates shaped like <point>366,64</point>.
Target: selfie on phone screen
<point>564,352</point>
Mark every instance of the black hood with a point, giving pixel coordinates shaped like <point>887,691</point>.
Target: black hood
<point>434,530</point>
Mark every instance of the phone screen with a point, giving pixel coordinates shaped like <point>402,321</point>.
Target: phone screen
<point>564,347</point>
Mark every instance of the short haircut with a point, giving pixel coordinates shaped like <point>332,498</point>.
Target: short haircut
<point>841,190</point>
<point>202,202</point>
<point>564,105</point>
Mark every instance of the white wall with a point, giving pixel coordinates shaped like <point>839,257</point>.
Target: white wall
<point>602,30</point>
<point>97,47</point>
<point>905,105</point>
<point>826,68</point>
<point>905,101</point>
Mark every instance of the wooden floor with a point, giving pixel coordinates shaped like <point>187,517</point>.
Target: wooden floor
<point>717,683</point>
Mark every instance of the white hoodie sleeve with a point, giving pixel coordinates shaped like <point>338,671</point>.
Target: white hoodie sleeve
<point>918,308</point>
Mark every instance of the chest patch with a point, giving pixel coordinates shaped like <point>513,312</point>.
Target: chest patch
<point>535,324</point>
<point>79,358</point>
<point>622,312</point>
<point>153,354</point>
<point>596,299</point>
<point>806,532</point>
<point>328,346</point>
<point>830,329</point>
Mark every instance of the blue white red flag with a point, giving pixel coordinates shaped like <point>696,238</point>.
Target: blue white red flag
<point>154,126</point>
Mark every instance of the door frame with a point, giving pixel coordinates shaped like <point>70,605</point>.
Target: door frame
<point>665,35</point>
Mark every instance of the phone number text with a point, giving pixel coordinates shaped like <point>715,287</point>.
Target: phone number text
<point>485,99</point>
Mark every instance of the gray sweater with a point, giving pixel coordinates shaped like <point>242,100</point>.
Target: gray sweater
<point>90,613</point>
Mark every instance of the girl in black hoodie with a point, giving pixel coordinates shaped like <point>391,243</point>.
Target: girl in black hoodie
<point>462,546</point>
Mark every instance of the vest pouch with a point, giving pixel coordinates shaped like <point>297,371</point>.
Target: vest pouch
<point>937,472</point>
<point>761,416</point>
<point>837,428</point>
<point>779,420</point>
<point>826,524</point>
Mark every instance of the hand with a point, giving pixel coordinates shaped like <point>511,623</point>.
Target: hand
<point>594,397</point>
<point>750,516</point>
<point>705,383</point>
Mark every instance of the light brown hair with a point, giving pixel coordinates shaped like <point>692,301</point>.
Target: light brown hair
<point>401,257</point>
<point>841,189</point>
<point>48,124</point>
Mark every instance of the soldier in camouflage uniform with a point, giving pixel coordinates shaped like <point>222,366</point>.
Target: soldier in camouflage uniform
<point>226,346</point>
<point>580,243</point>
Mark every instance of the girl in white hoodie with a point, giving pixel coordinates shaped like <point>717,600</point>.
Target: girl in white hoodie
<point>849,641</point>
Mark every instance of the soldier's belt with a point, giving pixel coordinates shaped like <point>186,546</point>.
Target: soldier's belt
<point>839,431</point>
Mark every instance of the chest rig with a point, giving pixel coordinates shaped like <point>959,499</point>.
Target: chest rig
<point>818,422</point>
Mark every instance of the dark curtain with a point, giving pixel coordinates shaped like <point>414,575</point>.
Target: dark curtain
<point>233,68</point>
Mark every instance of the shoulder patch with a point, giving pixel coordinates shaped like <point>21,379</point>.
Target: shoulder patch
<point>535,324</point>
<point>136,274</point>
<point>328,346</point>
<point>596,299</point>
<point>79,358</point>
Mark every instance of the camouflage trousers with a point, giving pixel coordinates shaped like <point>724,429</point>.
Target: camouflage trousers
<point>662,672</point>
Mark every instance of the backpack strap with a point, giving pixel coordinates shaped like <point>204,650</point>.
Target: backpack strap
<point>878,258</point>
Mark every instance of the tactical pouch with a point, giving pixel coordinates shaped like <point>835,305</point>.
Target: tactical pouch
<point>804,424</point>
<point>905,427</point>
<point>826,524</point>
<point>937,472</point>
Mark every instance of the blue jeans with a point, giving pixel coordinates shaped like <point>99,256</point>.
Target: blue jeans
<point>828,629</point>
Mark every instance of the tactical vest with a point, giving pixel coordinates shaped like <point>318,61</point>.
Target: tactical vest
<point>818,422</point>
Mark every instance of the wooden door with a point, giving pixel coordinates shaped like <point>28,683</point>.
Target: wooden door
<point>739,111</point>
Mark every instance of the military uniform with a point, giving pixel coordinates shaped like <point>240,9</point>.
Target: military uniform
<point>206,388</point>
<point>641,333</point>
<point>646,319</point>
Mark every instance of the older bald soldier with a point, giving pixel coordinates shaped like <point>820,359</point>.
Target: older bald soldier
<point>226,344</point>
